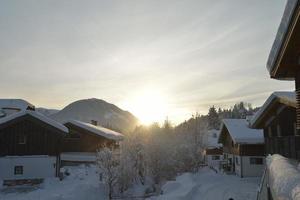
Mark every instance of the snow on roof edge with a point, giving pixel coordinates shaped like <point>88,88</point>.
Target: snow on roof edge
<point>37,115</point>
<point>241,133</point>
<point>15,103</point>
<point>99,130</point>
<point>284,97</point>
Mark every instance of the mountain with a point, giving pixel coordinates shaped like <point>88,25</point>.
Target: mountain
<point>46,111</point>
<point>106,114</point>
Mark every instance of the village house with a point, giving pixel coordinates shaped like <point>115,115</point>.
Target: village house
<point>277,117</point>
<point>212,152</point>
<point>243,148</point>
<point>283,122</point>
<point>84,139</point>
<point>30,147</point>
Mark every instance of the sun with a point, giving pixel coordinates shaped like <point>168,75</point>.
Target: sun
<point>148,105</point>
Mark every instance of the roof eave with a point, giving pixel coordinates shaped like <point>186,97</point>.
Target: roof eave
<point>288,21</point>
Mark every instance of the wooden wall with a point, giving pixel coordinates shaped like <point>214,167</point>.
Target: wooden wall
<point>280,133</point>
<point>81,140</point>
<point>41,138</point>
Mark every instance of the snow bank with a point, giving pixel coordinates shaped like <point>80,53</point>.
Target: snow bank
<point>82,184</point>
<point>207,185</point>
<point>284,177</point>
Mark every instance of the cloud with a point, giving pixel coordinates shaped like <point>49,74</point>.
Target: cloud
<point>197,53</point>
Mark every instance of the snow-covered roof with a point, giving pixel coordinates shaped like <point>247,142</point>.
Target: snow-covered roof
<point>37,115</point>
<point>286,98</point>
<point>15,103</point>
<point>284,177</point>
<point>241,133</point>
<point>98,130</point>
<point>281,33</point>
<point>211,139</point>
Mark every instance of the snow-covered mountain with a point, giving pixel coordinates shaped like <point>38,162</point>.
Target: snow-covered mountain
<point>106,114</point>
<point>46,111</point>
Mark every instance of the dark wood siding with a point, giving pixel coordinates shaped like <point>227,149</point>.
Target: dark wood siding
<point>215,151</point>
<point>252,150</point>
<point>41,138</point>
<point>282,140</point>
<point>228,144</point>
<point>82,140</point>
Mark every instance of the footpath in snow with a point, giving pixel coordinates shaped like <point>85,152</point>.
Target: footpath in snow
<point>207,185</point>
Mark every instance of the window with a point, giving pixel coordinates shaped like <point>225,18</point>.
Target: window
<point>18,170</point>
<point>22,139</point>
<point>256,161</point>
<point>215,157</point>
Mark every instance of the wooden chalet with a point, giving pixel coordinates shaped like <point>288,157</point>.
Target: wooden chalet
<point>213,152</point>
<point>243,148</point>
<point>30,146</point>
<point>282,119</point>
<point>277,117</point>
<point>284,59</point>
<point>84,139</point>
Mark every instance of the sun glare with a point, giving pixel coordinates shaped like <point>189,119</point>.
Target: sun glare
<point>149,106</point>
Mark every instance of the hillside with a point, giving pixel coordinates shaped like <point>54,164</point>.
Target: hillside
<point>46,111</point>
<point>106,114</point>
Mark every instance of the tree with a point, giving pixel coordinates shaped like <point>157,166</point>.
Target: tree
<point>213,118</point>
<point>109,165</point>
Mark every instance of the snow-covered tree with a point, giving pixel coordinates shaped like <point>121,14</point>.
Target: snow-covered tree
<point>109,164</point>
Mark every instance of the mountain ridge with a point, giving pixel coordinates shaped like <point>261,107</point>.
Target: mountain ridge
<point>105,113</point>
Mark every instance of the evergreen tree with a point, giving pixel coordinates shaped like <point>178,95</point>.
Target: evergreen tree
<point>213,118</point>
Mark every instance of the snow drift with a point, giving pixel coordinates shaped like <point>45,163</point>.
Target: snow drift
<point>284,177</point>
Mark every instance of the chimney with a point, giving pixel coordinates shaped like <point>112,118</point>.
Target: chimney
<point>94,122</point>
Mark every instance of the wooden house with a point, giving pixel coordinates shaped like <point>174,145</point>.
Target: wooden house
<point>84,139</point>
<point>284,58</point>
<point>283,64</point>
<point>212,152</point>
<point>30,146</point>
<point>277,117</point>
<point>243,148</point>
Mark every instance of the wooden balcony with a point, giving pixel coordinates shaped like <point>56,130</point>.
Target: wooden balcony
<point>288,146</point>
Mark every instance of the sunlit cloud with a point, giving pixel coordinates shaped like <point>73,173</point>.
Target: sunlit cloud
<point>189,54</point>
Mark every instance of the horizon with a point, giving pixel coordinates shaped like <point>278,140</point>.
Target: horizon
<point>153,59</point>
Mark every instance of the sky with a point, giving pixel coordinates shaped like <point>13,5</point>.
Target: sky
<point>154,58</point>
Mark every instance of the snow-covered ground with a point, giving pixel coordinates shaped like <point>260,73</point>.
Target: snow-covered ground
<point>82,184</point>
<point>207,185</point>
